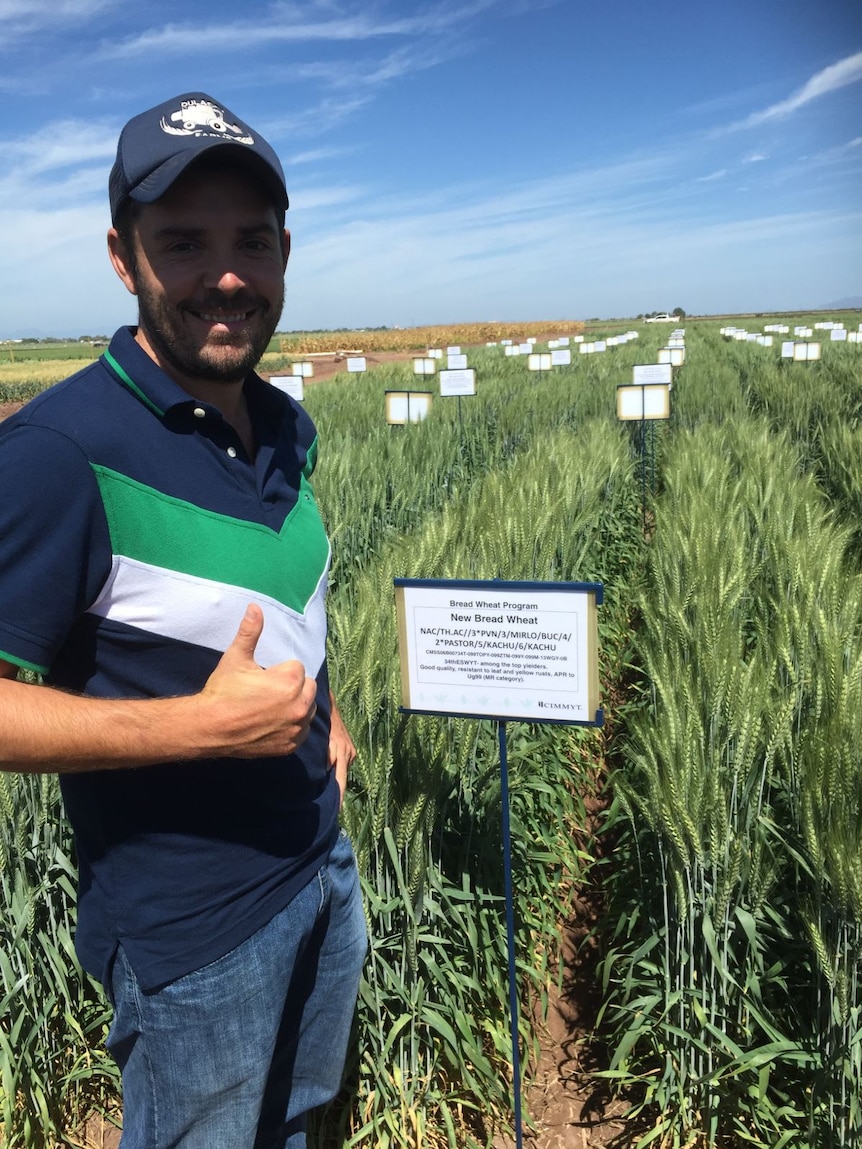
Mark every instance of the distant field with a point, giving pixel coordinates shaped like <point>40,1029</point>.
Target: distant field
<point>26,368</point>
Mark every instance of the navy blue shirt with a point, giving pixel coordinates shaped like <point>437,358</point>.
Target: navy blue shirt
<point>134,530</point>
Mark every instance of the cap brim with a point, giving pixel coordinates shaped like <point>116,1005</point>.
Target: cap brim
<point>154,185</point>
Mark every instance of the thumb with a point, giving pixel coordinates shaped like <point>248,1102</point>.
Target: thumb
<point>245,640</point>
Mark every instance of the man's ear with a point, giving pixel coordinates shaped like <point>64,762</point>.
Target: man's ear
<point>121,260</point>
<point>285,245</point>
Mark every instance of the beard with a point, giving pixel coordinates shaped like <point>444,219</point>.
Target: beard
<point>222,356</point>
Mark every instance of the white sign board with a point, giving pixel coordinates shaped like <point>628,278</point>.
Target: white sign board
<point>643,401</point>
<point>462,382</point>
<point>804,352</point>
<point>455,361</point>
<point>539,361</point>
<point>453,350</point>
<point>500,650</point>
<point>652,373</point>
<point>561,357</point>
<point>407,406</point>
<point>838,335</point>
<point>356,363</point>
<point>422,366</point>
<point>290,384</point>
<point>303,370</point>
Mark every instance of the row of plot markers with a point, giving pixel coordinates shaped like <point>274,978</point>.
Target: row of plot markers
<point>799,349</point>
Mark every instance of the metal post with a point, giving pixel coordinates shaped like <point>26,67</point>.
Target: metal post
<point>510,933</point>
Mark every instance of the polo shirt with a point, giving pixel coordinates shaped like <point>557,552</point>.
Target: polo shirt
<point>134,531</point>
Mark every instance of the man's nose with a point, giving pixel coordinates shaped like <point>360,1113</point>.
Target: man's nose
<point>224,277</point>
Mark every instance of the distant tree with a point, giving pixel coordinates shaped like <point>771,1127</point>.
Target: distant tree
<point>678,311</point>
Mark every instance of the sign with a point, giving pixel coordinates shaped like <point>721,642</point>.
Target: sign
<point>424,366</point>
<point>356,363</point>
<point>407,406</point>
<point>303,370</point>
<point>453,350</point>
<point>805,352</point>
<point>504,650</point>
<point>652,373</point>
<point>455,361</point>
<point>539,361</point>
<point>461,382</point>
<point>672,355</point>
<point>289,384</point>
<point>561,357</point>
<point>643,401</point>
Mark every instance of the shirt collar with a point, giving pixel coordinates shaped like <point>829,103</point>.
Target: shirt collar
<point>129,363</point>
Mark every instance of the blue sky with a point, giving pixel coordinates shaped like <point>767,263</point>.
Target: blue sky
<point>459,160</point>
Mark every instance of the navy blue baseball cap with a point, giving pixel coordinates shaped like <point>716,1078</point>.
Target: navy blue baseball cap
<point>158,145</point>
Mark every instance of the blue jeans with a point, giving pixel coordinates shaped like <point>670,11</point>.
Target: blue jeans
<point>235,1055</point>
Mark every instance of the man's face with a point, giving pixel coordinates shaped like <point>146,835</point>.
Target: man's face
<point>208,270</point>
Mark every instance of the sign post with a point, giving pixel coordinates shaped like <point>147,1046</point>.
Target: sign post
<point>523,651</point>
<point>646,399</point>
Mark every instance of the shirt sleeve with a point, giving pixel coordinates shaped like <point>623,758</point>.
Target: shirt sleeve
<point>55,551</point>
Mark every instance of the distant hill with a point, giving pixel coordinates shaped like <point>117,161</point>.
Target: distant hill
<point>842,304</point>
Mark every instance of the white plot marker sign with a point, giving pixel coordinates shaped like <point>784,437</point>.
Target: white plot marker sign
<point>407,406</point>
<point>643,401</point>
<point>290,384</point>
<point>505,650</point>
<point>460,382</point>
<point>539,361</point>
<point>356,364</point>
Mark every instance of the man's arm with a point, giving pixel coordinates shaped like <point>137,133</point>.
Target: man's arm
<point>243,711</point>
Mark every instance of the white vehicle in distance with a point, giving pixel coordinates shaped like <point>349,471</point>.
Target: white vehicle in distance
<point>662,317</point>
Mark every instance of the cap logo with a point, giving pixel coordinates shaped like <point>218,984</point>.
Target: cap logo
<point>203,118</point>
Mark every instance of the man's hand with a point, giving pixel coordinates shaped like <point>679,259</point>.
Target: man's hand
<point>257,712</point>
<point>243,711</point>
<point>341,748</point>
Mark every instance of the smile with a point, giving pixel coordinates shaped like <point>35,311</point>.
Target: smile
<point>235,318</point>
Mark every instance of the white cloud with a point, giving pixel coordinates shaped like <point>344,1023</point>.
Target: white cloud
<point>846,71</point>
<point>289,24</point>
<point>315,155</point>
<point>30,17</point>
<point>720,174</point>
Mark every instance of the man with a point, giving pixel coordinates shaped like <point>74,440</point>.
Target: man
<point>163,566</point>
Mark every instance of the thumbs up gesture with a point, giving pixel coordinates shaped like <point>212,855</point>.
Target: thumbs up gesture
<point>257,712</point>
